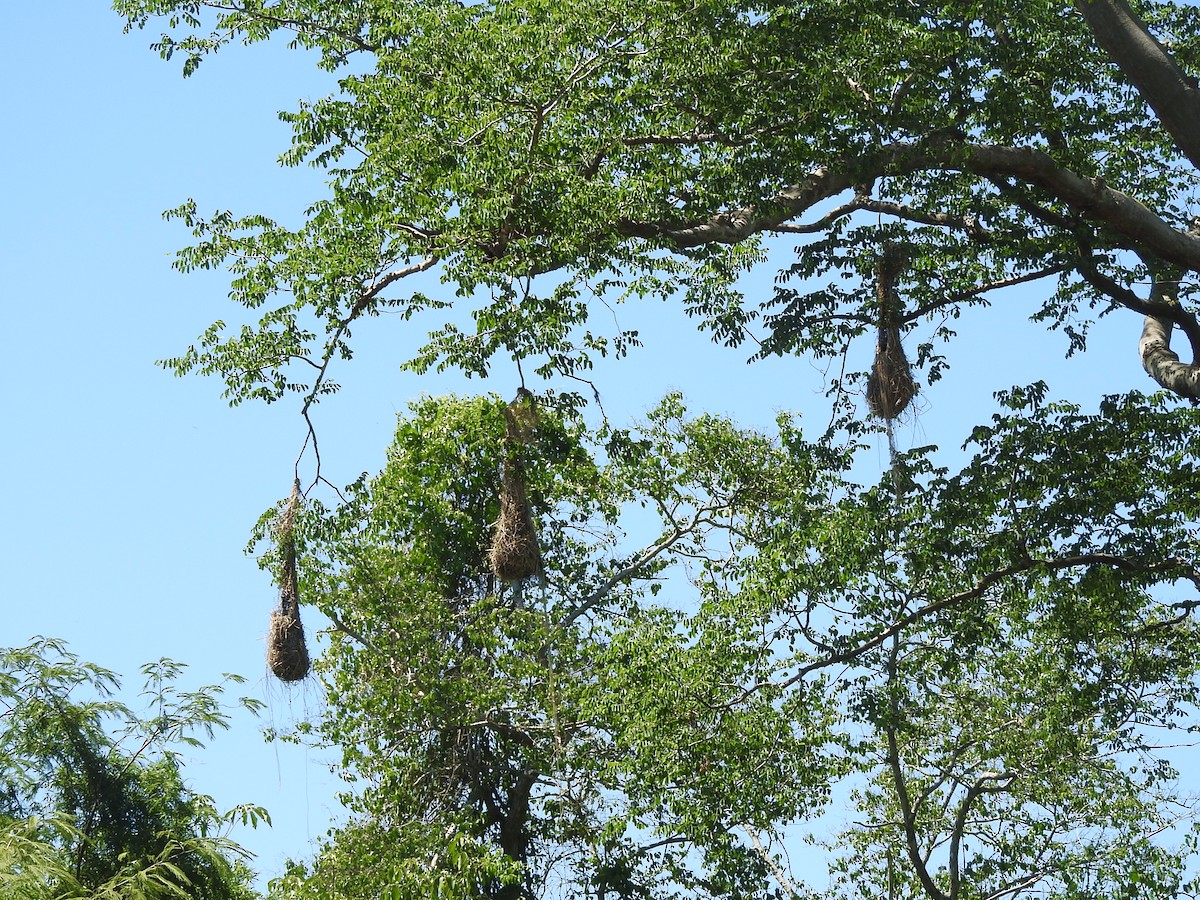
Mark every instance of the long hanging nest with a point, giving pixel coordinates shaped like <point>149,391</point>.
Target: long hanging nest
<point>890,387</point>
<point>521,418</point>
<point>515,554</point>
<point>287,653</point>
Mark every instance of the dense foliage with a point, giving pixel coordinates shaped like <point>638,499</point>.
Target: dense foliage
<point>987,662</point>
<point>952,684</point>
<point>94,804</point>
<point>996,142</point>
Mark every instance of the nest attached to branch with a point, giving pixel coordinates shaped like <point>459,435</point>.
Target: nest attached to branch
<point>521,418</point>
<point>515,554</point>
<point>890,387</point>
<point>287,652</point>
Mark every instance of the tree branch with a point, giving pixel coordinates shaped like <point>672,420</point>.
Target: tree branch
<point>1163,312</point>
<point>920,311</point>
<point>1161,303</point>
<point>1160,361</point>
<point>1169,91</point>
<point>986,783</point>
<point>1092,197</point>
<point>299,26</point>
<point>643,559</point>
<point>906,808</point>
<point>980,588</point>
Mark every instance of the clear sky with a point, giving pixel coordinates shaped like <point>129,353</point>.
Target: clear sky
<point>129,495</point>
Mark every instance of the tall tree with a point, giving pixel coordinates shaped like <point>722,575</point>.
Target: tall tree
<point>989,668</point>
<point>980,665</point>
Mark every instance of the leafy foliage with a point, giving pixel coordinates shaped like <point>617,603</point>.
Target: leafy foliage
<point>733,636</point>
<point>94,801</point>
<point>996,144</point>
<point>984,665</point>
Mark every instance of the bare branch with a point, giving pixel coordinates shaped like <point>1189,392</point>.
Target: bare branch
<point>823,223</point>
<point>969,224</point>
<point>331,345</point>
<point>345,629</point>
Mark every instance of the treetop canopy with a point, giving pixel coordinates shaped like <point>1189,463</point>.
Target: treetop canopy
<point>652,147</point>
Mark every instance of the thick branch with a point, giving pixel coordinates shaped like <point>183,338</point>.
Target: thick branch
<point>1161,304</point>
<point>1162,363</point>
<point>1163,312</point>
<point>1169,91</point>
<point>1092,197</point>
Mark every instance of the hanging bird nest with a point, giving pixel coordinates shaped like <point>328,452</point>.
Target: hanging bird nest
<point>521,418</point>
<point>890,386</point>
<point>515,554</point>
<point>287,653</point>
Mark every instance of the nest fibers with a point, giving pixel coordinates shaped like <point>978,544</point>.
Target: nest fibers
<point>287,653</point>
<point>890,387</point>
<point>521,418</point>
<point>515,554</point>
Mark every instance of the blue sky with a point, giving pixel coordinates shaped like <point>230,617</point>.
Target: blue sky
<point>129,494</point>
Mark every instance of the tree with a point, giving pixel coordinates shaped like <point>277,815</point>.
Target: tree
<point>979,664</point>
<point>988,665</point>
<point>94,802</point>
<point>647,148</point>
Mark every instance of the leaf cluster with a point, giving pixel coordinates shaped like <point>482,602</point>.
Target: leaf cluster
<point>94,801</point>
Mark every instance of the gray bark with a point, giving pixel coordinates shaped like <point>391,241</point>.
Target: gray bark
<point>1116,209</point>
<point>1169,91</point>
<point>1162,363</point>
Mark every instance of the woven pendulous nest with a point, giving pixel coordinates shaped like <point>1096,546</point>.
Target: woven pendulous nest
<point>890,387</point>
<point>515,554</point>
<point>287,653</point>
<point>521,418</point>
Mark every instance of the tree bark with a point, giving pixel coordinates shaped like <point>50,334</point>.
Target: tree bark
<point>1125,215</point>
<point>1170,91</point>
<point>1162,363</point>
